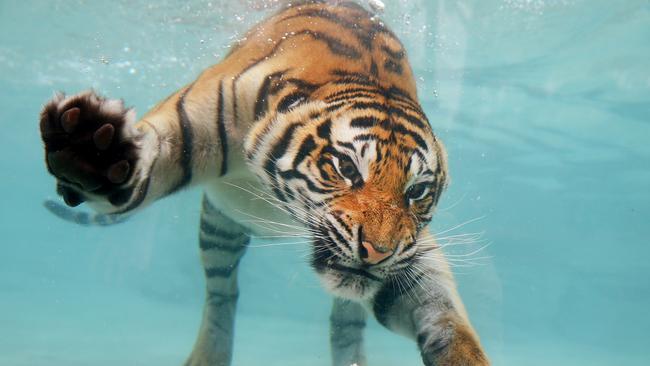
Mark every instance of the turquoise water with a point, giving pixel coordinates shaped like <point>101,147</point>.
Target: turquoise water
<point>545,110</point>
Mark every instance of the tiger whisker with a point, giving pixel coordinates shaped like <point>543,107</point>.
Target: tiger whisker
<point>279,244</point>
<point>268,200</point>
<point>458,201</point>
<point>460,225</point>
<point>477,235</point>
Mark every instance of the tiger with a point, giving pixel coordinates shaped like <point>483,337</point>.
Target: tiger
<point>315,112</point>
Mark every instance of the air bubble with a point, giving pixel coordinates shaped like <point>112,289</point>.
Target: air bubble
<point>376,5</point>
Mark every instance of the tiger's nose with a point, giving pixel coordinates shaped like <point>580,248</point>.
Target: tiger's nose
<point>372,254</point>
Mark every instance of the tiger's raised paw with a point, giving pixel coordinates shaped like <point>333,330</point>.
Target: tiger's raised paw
<point>91,146</point>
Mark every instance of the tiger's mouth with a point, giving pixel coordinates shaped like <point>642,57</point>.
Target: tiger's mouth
<point>344,277</point>
<point>354,271</point>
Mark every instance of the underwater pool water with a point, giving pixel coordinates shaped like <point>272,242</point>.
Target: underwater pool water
<point>544,107</point>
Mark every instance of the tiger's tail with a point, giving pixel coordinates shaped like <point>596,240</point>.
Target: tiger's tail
<point>84,218</point>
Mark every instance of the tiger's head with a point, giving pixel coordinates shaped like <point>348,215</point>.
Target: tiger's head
<point>363,176</point>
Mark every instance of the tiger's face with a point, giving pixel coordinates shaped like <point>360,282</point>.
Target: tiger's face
<point>363,186</point>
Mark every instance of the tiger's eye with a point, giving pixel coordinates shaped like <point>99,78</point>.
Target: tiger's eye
<point>416,191</point>
<point>349,170</point>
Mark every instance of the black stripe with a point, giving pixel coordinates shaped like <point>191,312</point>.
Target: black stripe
<point>407,167</point>
<point>347,228</point>
<point>364,122</point>
<point>230,248</point>
<point>368,137</point>
<point>397,128</point>
<point>431,198</point>
<point>351,80</point>
<point>261,103</point>
<point>208,207</point>
<point>333,107</point>
<point>420,155</point>
<point>340,238</point>
<point>294,174</point>
<point>322,162</point>
<point>363,150</point>
<point>347,97</point>
<point>335,46</point>
<point>373,69</point>
<point>347,145</point>
<point>359,78</point>
<point>348,91</point>
<point>222,272</point>
<point>406,99</point>
<point>324,130</point>
<point>187,137</point>
<point>291,100</point>
<point>141,195</point>
<point>410,118</point>
<point>221,129</point>
<point>216,298</point>
<point>362,35</point>
<point>306,147</point>
<point>209,229</point>
<point>279,148</point>
<point>302,84</point>
<point>369,105</point>
<point>395,91</point>
<point>379,27</point>
<point>397,55</point>
<point>277,151</point>
<point>394,128</point>
<point>393,67</point>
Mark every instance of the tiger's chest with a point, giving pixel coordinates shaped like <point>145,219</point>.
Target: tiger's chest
<point>244,199</point>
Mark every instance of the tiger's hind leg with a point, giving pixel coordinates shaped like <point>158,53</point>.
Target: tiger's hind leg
<point>223,242</point>
<point>347,322</point>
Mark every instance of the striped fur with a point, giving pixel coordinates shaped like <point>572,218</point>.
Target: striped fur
<point>347,322</point>
<point>316,115</point>
<point>223,242</point>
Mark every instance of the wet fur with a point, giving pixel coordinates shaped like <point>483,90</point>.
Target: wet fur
<point>282,116</point>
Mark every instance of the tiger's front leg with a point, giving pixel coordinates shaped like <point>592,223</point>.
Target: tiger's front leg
<point>99,153</point>
<point>427,308</point>
<point>347,323</point>
<point>223,242</point>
